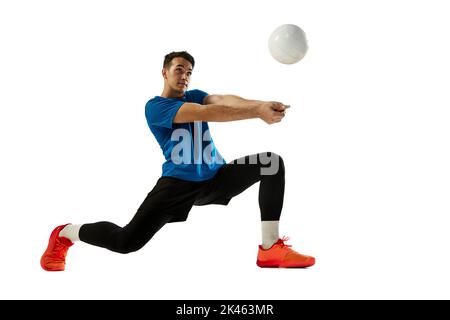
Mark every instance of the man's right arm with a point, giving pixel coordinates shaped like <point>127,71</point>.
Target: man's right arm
<point>270,112</point>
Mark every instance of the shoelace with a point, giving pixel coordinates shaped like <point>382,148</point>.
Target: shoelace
<point>283,240</point>
<point>285,246</point>
<point>60,250</point>
<point>288,247</point>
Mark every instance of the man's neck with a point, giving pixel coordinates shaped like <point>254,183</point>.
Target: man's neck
<point>171,94</point>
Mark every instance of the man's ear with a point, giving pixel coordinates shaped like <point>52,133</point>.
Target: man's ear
<point>164,73</point>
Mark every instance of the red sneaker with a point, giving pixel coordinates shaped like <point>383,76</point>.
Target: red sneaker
<point>54,258</point>
<point>280,255</point>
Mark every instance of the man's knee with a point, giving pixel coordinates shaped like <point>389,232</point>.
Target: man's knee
<point>272,163</point>
<point>125,246</point>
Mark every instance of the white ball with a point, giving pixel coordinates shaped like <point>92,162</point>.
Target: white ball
<point>288,44</point>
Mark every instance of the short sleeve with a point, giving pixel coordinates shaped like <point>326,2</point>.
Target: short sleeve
<point>197,96</point>
<point>161,113</point>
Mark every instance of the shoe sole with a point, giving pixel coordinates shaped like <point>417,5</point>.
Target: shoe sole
<point>49,269</point>
<point>43,266</point>
<point>275,265</point>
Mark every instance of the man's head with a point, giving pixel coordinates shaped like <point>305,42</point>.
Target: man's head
<point>177,71</point>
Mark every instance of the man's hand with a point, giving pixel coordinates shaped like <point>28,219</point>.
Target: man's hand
<point>272,111</point>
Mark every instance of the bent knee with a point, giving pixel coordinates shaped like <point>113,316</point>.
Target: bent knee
<point>270,155</point>
<point>125,247</point>
<point>272,163</point>
<point>125,250</point>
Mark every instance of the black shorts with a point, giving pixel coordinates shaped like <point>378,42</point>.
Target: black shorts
<point>175,197</point>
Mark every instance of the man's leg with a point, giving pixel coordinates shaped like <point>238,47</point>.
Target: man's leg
<point>237,176</point>
<point>240,174</point>
<point>149,218</point>
<point>170,200</point>
<point>128,239</point>
<point>103,234</point>
<point>108,235</point>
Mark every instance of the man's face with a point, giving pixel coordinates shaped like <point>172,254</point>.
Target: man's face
<point>178,75</point>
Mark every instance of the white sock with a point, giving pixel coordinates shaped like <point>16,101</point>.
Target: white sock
<point>270,233</point>
<point>71,232</point>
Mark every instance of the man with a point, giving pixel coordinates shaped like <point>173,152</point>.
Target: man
<point>194,173</point>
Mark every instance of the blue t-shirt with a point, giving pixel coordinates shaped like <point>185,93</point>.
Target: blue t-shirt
<point>188,147</point>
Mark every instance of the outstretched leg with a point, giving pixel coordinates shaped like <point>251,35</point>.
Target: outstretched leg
<point>128,239</point>
<point>169,201</point>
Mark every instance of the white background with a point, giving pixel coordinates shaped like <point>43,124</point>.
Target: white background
<point>366,146</point>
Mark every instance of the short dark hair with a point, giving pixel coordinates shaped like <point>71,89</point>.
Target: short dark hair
<point>178,54</point>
